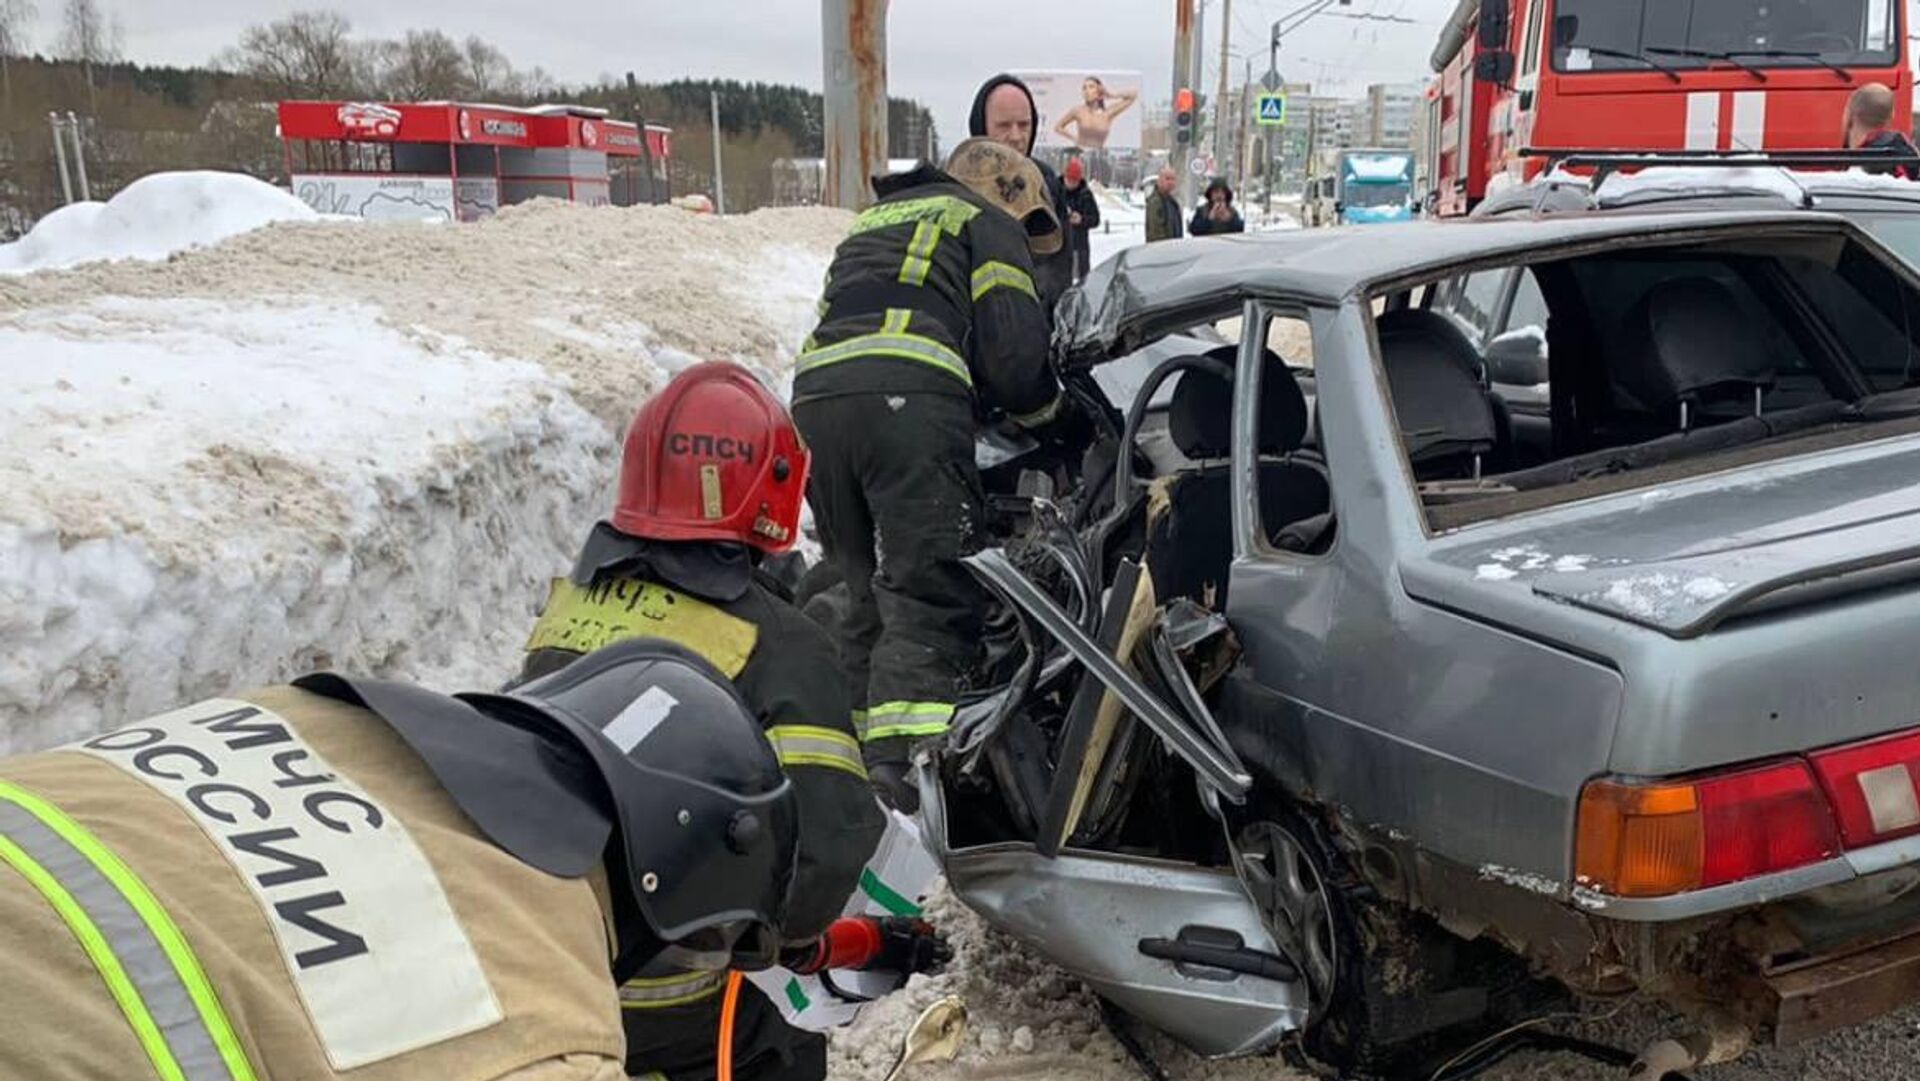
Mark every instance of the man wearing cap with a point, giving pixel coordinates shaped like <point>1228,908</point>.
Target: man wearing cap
<point>351,878</point>
<point>930,320</point>
<point>1083,216</point>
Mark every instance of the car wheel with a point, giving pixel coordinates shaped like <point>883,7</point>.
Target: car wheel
<point>1390,992</point>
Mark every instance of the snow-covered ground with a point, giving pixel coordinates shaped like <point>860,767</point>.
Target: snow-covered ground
<point>152,218</point>
<point>324,443</point>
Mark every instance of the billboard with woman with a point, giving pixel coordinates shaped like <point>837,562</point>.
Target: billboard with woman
<point>1087,110</point>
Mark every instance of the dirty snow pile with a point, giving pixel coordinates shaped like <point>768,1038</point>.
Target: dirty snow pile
<point>152,218</point>
<point>341,444</point>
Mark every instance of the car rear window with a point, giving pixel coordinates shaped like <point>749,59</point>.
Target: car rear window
<point>1662,361</point>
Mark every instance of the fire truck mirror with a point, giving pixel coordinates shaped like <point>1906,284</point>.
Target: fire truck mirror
<point>1495,68</point>
<point>1496,23</point>
<point>1565,29</point>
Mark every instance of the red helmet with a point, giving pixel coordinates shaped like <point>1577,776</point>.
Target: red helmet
<point>713,457</point>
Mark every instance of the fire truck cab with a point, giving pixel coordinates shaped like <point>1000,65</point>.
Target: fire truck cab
<point>1519,79</point>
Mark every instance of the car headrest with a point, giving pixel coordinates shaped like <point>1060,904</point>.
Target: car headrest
<point>1200,417</point>
<point>1433,372</point>
<point>1690,339</point>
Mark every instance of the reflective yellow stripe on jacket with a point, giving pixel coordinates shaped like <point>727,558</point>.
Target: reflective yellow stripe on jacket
<point>806,745</point>
<point>993,275</point>
<point>146,963</point>
<point>665,992</point>
<point>950,213</point>
<point>892,340</point>
<point>919,261</point>
<point>891,719</point>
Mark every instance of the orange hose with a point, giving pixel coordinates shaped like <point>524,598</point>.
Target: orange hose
<point>723,1068</point>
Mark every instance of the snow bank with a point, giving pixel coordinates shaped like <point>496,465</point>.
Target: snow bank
<point>152,218</point>
<point>362,447</point>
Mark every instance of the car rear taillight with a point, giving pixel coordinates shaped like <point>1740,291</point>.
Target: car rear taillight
<point>1654,839</point>
<point>1871,787</point>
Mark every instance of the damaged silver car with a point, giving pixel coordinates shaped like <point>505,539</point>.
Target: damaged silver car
<point>1329,706</point>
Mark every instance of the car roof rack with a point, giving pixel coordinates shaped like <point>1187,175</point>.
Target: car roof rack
<point>1605,163</point>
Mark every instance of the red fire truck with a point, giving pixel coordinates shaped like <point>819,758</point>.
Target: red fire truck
<point>1519,79</point>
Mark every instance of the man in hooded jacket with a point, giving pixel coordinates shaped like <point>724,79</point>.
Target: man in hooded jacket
<point>1004,111</point>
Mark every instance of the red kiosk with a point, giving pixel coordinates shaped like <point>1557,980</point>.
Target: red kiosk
<point>448,160</point>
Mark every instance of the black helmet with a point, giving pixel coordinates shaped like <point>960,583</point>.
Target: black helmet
<point>679,792</point>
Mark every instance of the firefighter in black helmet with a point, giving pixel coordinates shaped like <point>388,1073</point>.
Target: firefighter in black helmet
<point>930,321</point>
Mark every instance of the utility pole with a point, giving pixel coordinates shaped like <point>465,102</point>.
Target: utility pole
<point>719,172</point>
<point>60,155</point>
<point>854,39</point>
<point>1221,135</point>
<point>79,158</point>
<point>1179,155</point>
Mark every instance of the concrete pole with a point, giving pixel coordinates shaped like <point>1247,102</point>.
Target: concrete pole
<point>60,155</point>
<point>79,158</point>
<point>719,171</point>
<point>1179,156</point>
<point>1222,138</point>
<point>854,38</point>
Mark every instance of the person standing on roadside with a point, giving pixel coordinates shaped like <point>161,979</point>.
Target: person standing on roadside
<point>1163,208</point>
<point>1216,215</point>
<point>1869,112</point>
<point>1004,111</point>
<point>1083,216</point>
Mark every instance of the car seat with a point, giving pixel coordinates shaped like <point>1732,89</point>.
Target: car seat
<point>1190,538</point>
<point>1693,355</point>
<point>1449,420</point>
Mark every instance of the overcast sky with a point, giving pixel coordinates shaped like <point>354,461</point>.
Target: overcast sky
<point>937,51</point>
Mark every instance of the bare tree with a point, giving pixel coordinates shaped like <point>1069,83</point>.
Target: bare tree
<point>306,54</point>
<point>91,36</point>
<point>490,74</point>
<point>426,65</point>
<point>15,15</point>
<point>88,33</point>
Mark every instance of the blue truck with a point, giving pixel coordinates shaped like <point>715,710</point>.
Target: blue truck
<point>1367,187</point>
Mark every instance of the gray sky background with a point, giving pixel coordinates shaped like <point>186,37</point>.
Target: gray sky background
<point>937,51</point>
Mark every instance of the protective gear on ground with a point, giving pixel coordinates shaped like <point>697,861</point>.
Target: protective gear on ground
<point>1012,183</point>
<point>235,890</point>
<point>1053,274</point>
<point>713,457</point>
<point>710,598</point>
<point>898,504</point>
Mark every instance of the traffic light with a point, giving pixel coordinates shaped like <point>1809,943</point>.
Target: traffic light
<point>1183,111</point>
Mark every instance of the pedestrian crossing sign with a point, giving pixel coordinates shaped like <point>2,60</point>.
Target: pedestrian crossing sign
<point>1273,109</point>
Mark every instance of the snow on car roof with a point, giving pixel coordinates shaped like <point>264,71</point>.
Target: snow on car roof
<point>1788,184</point>
<point>1118,307</point>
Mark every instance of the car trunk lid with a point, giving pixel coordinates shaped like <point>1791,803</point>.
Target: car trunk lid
<point>1685,559</point>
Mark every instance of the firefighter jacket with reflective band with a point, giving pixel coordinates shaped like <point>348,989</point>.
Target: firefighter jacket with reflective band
<point>785,668</point>
<point>932,291</point>
<point>274,886</point>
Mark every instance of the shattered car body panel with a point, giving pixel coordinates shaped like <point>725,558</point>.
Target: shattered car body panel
<point>1431,672</point>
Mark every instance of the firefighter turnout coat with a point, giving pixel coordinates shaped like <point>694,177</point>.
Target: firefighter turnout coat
<point>274,886</point>
<point>708,598</point>
<point>932,292</point>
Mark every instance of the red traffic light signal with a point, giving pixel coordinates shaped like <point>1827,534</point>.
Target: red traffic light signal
<point>1183,102</point>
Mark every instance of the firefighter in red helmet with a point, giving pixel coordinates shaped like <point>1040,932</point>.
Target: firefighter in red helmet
<point>712,480</point>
